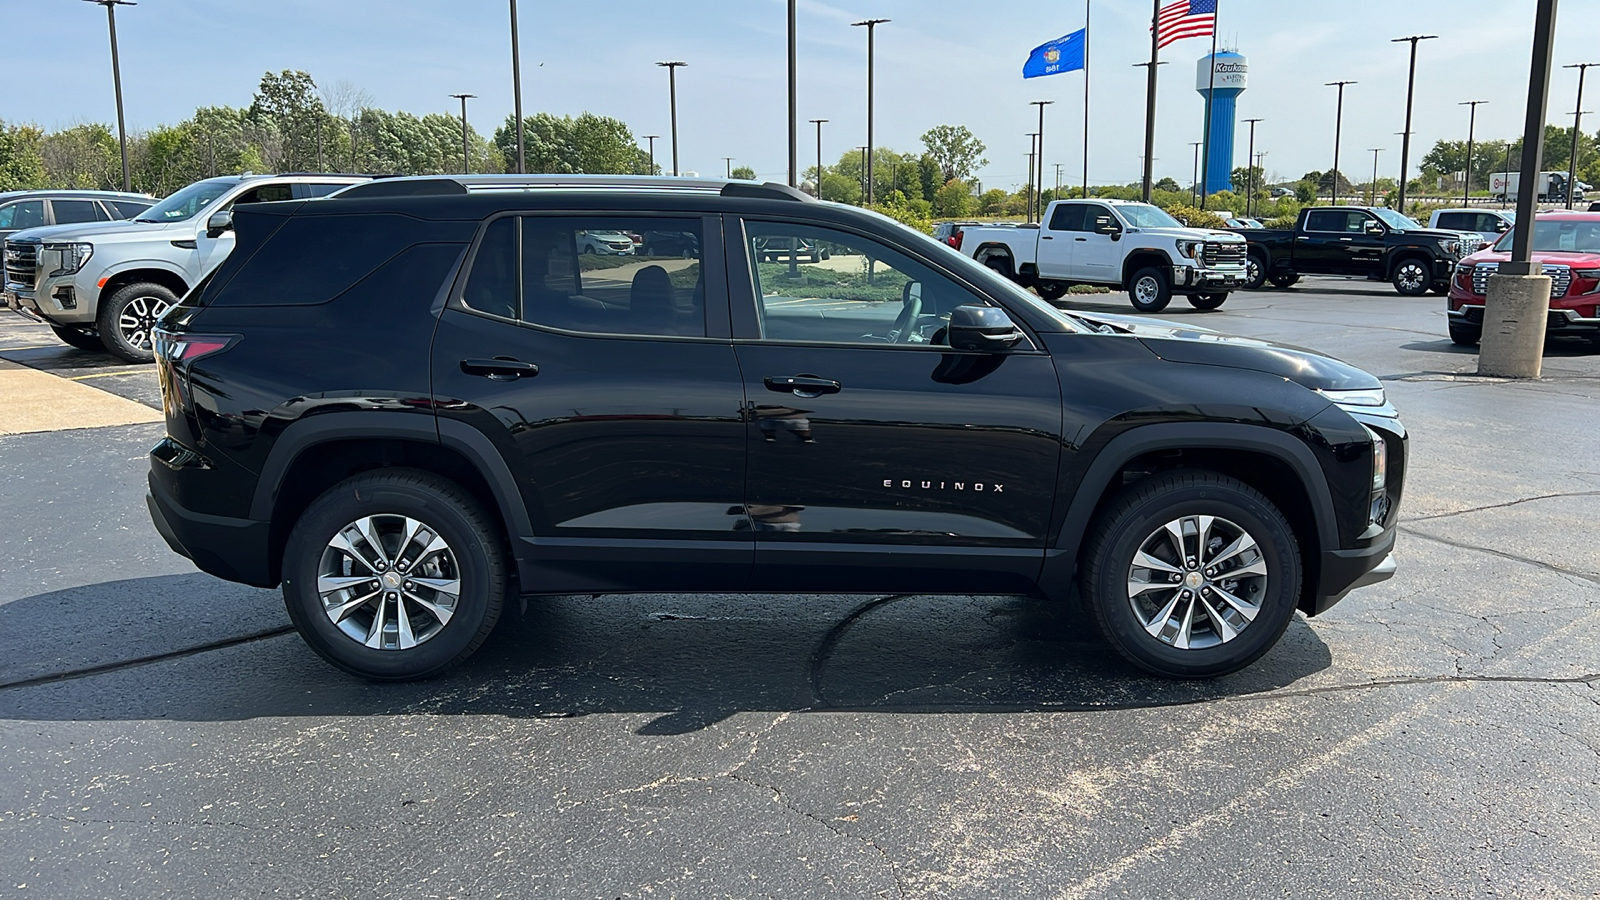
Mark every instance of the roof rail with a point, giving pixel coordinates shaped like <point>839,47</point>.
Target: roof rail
<point>440,185</point>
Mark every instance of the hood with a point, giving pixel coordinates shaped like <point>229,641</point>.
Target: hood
<point>100,232</point>
<point>1439,234</point>
<point>1558,257</point>
<point>1195,234</point>
<point>1182,344</point>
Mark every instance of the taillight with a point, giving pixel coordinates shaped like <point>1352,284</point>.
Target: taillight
<point>955,240</point>
<point>189,347</point>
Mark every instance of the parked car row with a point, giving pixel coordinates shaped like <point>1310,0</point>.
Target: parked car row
<point>1363,241</point>
<point>21,210</point>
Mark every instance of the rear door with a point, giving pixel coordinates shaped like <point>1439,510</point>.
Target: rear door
<point>880,458</point>
<point>76,212</point>
<point>610,387</point>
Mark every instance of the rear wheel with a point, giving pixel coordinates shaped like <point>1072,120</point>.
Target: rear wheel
<point>1001,264</point>
<point>1149,290</point>
<point>77,337</point>
<point>394,574</point>
<point>1465,335</point>
<point>1411,277</point>
<point>1207,301</point>
<point>128,319</point>
<point>1192,574</point>
<point>1284,280</point>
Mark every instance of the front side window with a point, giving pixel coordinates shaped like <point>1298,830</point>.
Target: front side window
<point>1143,215</point>
<point>858,291</point>
<point>600,275</point>
<point>1396,220</point>
<point>187,203</point>
<point>22,214</point>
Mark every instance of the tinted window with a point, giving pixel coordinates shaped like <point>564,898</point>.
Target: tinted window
<point>1067,217</point>
<point>127,209</point>
<point>599,275</point>
<point>71,212</point>
<point>22,214</point>
<point>312,259</point>
<point>1457,221</point>
<point>267,193</point>
<point>1488,223</point>
<point>864,293</point>
<point>1336,220</point>
<point>319,190</point>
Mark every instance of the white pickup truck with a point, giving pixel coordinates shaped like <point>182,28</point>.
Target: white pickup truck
<point>1120,244</point>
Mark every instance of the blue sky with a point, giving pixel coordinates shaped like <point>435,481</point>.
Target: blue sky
<point>939,61</point>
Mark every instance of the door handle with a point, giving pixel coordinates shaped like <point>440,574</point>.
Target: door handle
<point>1346,239</point>
<point>802,385</point>
<point>1081,240</point>
<point>499,369</point>
<point>1046,237</point>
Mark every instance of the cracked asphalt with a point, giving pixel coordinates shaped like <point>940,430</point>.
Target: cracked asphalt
<point>163,734</point>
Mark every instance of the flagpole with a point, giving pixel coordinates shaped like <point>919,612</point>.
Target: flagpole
<point>1211,90</point>
<point>1150,99</point>
<point>1086,4</point>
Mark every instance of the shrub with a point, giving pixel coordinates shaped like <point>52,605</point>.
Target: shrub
<point>1196,218</point>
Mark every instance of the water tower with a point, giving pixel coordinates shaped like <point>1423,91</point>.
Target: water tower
<point>1224,89</point>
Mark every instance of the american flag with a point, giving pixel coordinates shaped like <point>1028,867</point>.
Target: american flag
<point>1185,19</point>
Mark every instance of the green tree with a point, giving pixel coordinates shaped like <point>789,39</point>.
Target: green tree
<point>955,150</point>
<point>954,200</point>
<point>82,157</point>
<point>744,173</point>
<point>21,166</point>
<point>992,202</point>
<point>564,145</point>
<point>1168,184</point>
<point>287,115</point>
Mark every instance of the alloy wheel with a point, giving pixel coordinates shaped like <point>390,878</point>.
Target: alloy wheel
<point>1412,277</point>
<point>389,582</point>
<point>1197,582</point>
<point>138,320</point>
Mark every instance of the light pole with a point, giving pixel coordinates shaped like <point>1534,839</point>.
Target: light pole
<point>1338,127</point>
<point>516,89</point>
<point>116,80</point>
<point>1405,136</point>
<point>1577,129</point>
<point>1033,144</point>
<point>1506,194</point>
<point>1040,183</point>
<point>652,139</point>
<point>794,108</point>
<point>819,123</point>
<point>1194,188</point>
<point>1150,97</point>
<point>1466,177</point>
<point>1250,173</point>
<point>466,158</point>
<point>1262,165</point>
<point>866,178</point>
<point>672,90</point>
<point>872,28</point>
<point>727,167</point>
<point>1372,189</point>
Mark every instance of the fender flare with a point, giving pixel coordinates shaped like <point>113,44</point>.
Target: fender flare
<point>1127,260</point>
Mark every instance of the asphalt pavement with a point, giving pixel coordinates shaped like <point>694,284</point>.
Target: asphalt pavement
<point>164,734</point>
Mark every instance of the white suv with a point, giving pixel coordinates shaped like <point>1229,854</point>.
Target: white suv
<point>104,285</point>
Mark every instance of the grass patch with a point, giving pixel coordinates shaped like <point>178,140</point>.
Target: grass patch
<point>816,282</point>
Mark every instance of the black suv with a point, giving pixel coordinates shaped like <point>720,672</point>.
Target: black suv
<point>416,398</point>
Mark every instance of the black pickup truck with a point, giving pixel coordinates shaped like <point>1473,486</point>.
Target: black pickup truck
<point>1371,242</point>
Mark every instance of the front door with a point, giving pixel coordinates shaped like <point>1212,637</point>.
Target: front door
<point>1098,255</point>
<point>598,380</point>
<point>1058,238</point>
<point>1333,242</point>
<point>880,458</point>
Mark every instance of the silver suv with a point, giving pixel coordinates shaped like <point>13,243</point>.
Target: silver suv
<point>104,285</point>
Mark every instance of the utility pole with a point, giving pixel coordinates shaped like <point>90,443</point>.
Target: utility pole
<point>652,139</point>
<point>794,108</point>
<point>1033,143</point>
<point>819,123</point>
<point>1058,181</point>
<point>872,28</point>
<point>1040,183</point>
<point>1085,109</point>
<point>1372,189</point>
<point>1338,127</point>
<point>1466,177</point>
<point>1577,129</point>
<point>466,154</point>
<point>866,160</point>
<point>727,166</point>
<point>516,89</point>
<point>1250,173</point>
<point>116,80</point>
<point>672,89</point>
<point>1405,136</point>
<point>1194,190</point>
<point>1150,98</point>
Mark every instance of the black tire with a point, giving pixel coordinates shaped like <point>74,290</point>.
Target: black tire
<point>127,318</point>
<point>827,254</point>
<point>83,340</point>
<point>1412,276</point>
<point>1284,280</point>
<point>1002,265</point>
<point>473,539</point>
<point>1465,335</point>
<point>1149,290</point>
<point>1255,268</point>
<point>1207,301</point>
<point>1442,288</point>
<point>1136,518</point>
<point>1051,290</point>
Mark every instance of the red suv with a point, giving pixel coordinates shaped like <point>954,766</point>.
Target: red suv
<point>1568,245</point>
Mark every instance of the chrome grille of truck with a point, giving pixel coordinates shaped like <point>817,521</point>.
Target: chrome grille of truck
<point>22,264</point>
<point>1229,254</point>
<point>1560,278</point>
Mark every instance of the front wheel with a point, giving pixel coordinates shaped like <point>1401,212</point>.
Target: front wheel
<point>127,320</point>
<point>1284,280</point>
<point>1411,278</point>
<point>1255,272</point>
<point>1465,335</point>
<point>1442,288</point>
<point>394,574</point>
<point>1051,290</point>
<point>1207,301</point>
<point>1150,290</point>
<point>1192,574</point>
<point>77,337</point>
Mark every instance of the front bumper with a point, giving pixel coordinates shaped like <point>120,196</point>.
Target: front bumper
<point>1560,321</point>
<point>1208,279</point>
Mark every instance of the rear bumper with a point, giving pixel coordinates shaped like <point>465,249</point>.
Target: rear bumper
<point>231,549</point>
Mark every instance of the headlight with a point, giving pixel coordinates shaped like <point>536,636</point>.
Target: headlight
<point>1191,249</point>
<point>1380,460</point>
<point>73,256</point>
<point>1464,269</point>
<point>1363,399</point>
<point>1452,248</point>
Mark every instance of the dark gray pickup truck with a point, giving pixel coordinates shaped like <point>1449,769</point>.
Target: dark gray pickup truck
<point>1363,241</point>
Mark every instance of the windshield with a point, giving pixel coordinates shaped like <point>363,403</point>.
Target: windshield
<point>186,203</point>
<point>1557,236</point>
<point>1141,215</point>
<point>1395,220</point>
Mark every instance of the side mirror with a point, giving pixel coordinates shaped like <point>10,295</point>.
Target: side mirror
<point>983,328</point>
<point>219,222</point>
<point>1501,225</point>
<point>1374,227</point>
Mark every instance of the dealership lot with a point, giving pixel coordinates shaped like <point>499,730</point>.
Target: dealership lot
<point>163,733</point>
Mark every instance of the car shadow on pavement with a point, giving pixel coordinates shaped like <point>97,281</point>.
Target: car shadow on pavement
<point>193,648</point>
<point>1555,347</point>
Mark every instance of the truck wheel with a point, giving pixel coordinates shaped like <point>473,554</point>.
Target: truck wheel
<point>127,320</point>
<point>1442,288</point>
<point>1192,574</point>
<point>1051,290</point>
<point>1411,277</point>
<point>1255,272</point>
<point>1001,264</point>
<point>1207,301</point>
<point>83,340</point>
<point>394,574</point>
<point>1465,335</point>
<point>1149,290</point>
<point>1284,280</point>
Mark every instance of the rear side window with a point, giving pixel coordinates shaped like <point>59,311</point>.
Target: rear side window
<point>72,212</point>
<point>318,189</point>
<point>312,259</point>
<point>1068,217</point>
<point>1457,221</point>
